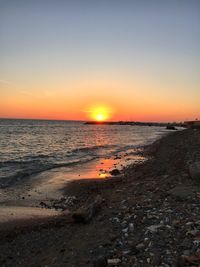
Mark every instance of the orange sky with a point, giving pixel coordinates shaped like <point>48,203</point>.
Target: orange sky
<point>125,100</point>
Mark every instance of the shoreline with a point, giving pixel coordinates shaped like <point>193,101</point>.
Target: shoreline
<point>148,217</point>
<point>45,190</point>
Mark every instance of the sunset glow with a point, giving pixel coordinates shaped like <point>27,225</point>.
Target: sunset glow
<point>100,113</point>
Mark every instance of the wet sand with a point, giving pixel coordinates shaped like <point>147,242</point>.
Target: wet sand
<point>12,217</point>
<point>24,200</point>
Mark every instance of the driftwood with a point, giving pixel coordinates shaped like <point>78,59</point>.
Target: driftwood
<point>85,213</point>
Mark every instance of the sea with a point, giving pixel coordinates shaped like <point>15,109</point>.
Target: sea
<point>31,147</point>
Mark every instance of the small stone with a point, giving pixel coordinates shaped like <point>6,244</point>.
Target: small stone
<point>125,252</point>
<point>113,262</point>
<point>154,228</point>
<point>194,171</point>
<point>131,227</point>
<point>125,230</point>
<point>140,246</point>
<point>189,223</point>
<point>186,252</point>
<point>115,172</point>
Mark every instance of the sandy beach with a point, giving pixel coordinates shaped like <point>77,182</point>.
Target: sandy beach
<point>146,216</point>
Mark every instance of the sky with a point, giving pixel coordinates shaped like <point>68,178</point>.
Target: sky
<point>137,59</point>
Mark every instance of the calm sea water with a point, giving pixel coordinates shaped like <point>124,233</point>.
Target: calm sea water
<point>28,147</point>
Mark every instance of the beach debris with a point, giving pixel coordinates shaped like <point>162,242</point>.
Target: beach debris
<point>115,172</point>
<point>194,171</point>
<point>63,203</point>
<point>85,213</point>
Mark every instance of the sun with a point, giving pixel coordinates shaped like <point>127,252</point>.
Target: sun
<point>99,113</point>
<point>100,117</point>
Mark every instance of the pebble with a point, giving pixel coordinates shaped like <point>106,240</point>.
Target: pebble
<point>131,226</point>
<point>140,246</point>
<point>125,230</point>
<point>113,262</point>
<point>154,228</point>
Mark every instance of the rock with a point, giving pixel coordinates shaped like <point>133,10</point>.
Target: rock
<point>194,171</point>
<point>117,157</point>
<point>148,260</point>
<point>140,246</point>
<point>170,127</point>
<point>126,252</point>
<point>100,262</point>
<point>115,172</point>
<point>194,232</point>
<point>154,228</point>
<point>43,204</point>
<point>125,230</point>
<point>113,262</point>
<point>181,192</point>
<point>131,227</point>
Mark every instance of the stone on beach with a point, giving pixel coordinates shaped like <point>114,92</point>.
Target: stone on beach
<point>170,127</point>
<point>194,171</point>
<point>154,228</point>
<point>113,262</point>
<point>115,172</point>
<point>181,192</point>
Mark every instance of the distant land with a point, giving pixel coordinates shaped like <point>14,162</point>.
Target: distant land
<point>138,123</point>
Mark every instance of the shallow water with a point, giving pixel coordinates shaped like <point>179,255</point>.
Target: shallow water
<point>30,147</point>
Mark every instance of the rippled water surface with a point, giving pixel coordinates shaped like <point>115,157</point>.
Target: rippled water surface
<point>31,146</point>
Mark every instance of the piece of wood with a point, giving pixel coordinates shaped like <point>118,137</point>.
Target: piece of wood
<point>85,213</point>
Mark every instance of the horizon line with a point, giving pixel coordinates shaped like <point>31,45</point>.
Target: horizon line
<point>45,119</point>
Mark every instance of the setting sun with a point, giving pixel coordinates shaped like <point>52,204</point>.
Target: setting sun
<point>100,113</point>
<point>100,117</point>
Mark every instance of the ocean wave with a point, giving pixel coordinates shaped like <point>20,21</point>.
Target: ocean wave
<point>91,148</point>
<point>26,170</point>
